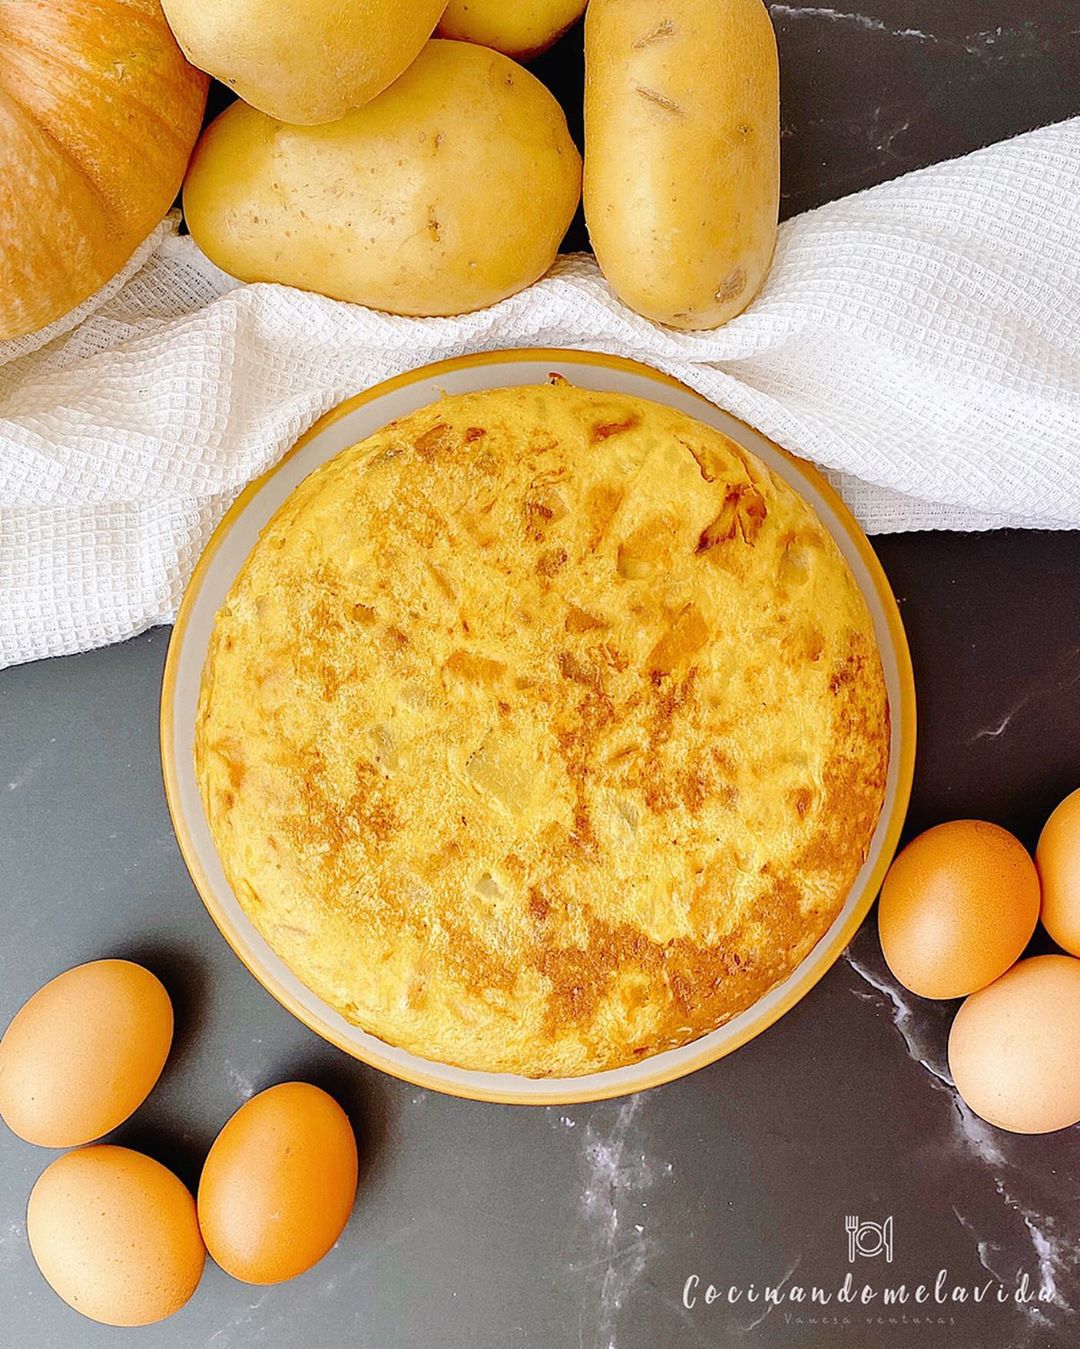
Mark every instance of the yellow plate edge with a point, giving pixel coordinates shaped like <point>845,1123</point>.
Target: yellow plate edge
<point>839,940</point>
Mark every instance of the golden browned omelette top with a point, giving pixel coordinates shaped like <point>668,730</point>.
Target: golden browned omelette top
<point>542,731</point>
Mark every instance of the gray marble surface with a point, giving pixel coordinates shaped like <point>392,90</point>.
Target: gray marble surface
<point>873,88</point>
<point>488,1227</point>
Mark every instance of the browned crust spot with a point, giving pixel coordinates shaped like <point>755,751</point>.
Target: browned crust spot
<point>605,430</point>
<point>743,514</point>
<point>437,440</point>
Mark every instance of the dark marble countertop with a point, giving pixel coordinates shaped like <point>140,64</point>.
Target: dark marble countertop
<point>871,90</point>
<point>488,1227</point>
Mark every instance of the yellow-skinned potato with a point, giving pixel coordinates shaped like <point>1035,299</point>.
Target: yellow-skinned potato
<point>303,61</point>
<point>682,153</point>
<point>520,28</point>
<point>448,192</point>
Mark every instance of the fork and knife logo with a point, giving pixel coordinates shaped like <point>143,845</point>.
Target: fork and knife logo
<point>869,1239</point>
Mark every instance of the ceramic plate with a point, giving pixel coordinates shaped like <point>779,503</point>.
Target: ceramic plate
<point>225,554</point>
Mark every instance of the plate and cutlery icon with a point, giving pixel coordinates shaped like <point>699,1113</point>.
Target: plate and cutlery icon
<point>868,1238</point>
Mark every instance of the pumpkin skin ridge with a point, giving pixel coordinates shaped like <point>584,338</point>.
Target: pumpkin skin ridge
<point>87,75</point>
<point>108,211</point>
<point>33,221</point>
<point>71,156</point>
<point>62,150</point>
<point>100,111</point>
<point>144,104</point>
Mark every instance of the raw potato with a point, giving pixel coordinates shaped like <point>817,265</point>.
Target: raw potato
<point>449,192</point>
<point>307,62</point>
<point>682,153</point>
<point>522,29</point>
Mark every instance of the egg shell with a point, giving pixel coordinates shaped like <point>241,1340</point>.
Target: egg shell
<point>957,908</point>
<point>84,1053</point>
<point>116,1235</point>
<point>1058,860</point>
<point>279,1184</point>
<point>1014,1047</point>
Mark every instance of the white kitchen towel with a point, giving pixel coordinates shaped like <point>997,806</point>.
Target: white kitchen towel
<point>920,341</point>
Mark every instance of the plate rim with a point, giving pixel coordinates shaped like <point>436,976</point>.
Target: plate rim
<point>827,955</point>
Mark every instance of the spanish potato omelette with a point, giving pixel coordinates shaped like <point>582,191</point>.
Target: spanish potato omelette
<point>542,731</point>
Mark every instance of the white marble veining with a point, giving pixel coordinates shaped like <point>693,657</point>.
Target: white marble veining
<point>982,1247</point>
<point>240,1083</point>
<point>246,1326</point>
<point>12,1242</point>
<point>618,1172</point>
<point>923,1029</point>
<point>1058,678</point>
<point>986,44</point>
<point>33,765</point>
<point>770,1306</point>
<point>867,21</point>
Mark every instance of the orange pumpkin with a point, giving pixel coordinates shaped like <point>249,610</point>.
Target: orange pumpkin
<point>99,111</point>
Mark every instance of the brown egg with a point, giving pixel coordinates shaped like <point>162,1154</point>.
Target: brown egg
<point>83,1053</point>
<point>279,1184</point>
<point>957,908</point>
<point>1015,1046</point>
<point>115,1234</point>
<point>1058,860</point>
